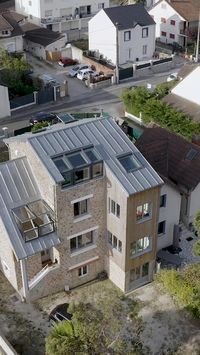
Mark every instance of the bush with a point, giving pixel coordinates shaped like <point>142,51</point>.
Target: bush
<point>39,126</point>
<point>184,285</point>
<point>140,100</point>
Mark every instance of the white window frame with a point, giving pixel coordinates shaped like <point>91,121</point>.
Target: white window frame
<point>145,32</point>
<point>144,249</point>
<point>114,207</point>
<point>144,49</point>
<point>162,233</point>
<point>127,36</point>
<point>144,218</point>
<point>164,199</point>
<point>82,271</point>
<point>111,238</point>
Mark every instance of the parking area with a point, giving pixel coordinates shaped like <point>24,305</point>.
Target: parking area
<point>76,87</point>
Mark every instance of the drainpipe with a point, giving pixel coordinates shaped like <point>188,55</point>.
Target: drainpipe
<point>24,279</point>
<point>117,53</point>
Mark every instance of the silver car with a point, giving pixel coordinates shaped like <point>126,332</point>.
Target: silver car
<point>73,71</point>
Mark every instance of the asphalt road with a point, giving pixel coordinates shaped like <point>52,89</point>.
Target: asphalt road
<point>107,99</point>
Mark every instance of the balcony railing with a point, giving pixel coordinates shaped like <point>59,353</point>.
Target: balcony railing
<point>50,20</point>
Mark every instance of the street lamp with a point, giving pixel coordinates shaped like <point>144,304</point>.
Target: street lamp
<point>197,46</point>
<point>117,54</point>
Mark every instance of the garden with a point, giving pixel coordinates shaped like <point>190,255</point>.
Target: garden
<point>147,104</point>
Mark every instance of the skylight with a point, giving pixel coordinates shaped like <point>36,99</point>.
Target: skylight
<point>129,163</point>
<point>76,160</point>
<point>191,154</point>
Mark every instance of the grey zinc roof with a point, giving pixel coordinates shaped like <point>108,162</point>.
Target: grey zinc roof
<point>129,16</point>
<point>108,139</point>
<point>17,188</point>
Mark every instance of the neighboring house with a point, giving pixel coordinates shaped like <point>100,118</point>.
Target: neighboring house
<point>11,35</point>
<point>185,95</point>
<point>76,200</point>
<point>5,103</point>
<point>128,31</point>
<point>44,43</point>
<point>176,21</point>
<point>177,161</point>
<point>59,15</point>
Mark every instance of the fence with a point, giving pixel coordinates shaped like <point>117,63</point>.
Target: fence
<point>26,100</point>
<point>138,70</point>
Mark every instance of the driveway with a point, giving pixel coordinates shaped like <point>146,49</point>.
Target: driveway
<point>76,87</point>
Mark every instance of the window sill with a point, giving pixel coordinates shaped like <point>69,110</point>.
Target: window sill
<point>141,253</point>
<point>81,218</point>
<point>161,235</point>
<point>115,250</point>
<point>144,220</point>
<point>83,275</point>
<point>83,250</point>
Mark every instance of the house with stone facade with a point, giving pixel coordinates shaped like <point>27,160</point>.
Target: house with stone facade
<point>77,200</point>
<point>177,161</point>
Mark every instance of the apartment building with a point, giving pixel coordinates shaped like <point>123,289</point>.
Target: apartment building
<point>59,15</point>
<point>76,200</point>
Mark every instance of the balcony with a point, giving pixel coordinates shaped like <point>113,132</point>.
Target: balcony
<point>34,220</point>
<point>54,20</point>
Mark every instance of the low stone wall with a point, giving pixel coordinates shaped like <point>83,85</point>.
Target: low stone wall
<point>98,66</point>
<point>100,84</point>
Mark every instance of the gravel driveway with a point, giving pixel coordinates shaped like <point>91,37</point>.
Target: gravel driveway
<point>167,328</point>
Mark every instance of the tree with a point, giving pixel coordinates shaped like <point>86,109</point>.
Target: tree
<point>62,340</point>
<point>93,331</point>
<point>196,246</point>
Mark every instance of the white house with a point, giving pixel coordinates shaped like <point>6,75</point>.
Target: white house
<point>128,30</point>
<point>11,35</point>
<point>44,43</point>
<point>177,161</point>
<point>59,15</point>
<point>176,21</point>
<point>188,88</point>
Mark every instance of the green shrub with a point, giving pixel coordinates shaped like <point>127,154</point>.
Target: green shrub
<point>184,285</point>
<point>39,126</point>
<point>140,100</point>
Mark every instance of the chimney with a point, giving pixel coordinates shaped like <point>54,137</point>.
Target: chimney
<point>196,139</point>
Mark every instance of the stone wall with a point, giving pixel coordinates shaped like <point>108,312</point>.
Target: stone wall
<point>98,66</point>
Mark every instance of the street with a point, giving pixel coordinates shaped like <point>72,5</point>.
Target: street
<point>82,99</point>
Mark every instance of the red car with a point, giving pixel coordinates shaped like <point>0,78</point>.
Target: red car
<point>64,62</point>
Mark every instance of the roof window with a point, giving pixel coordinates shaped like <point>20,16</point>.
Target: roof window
<point>129,163</point>
<point>191,154</point>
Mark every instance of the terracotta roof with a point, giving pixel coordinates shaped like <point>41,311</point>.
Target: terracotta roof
<point>188,9</point>
<point>174,159</point>
<point>8,22</point>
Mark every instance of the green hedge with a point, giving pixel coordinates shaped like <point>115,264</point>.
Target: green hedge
<point>184,285</point>
<point>153,109</point>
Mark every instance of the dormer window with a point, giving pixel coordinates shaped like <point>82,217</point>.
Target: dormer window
<point>79,166</point>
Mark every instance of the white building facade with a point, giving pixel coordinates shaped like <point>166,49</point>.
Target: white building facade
<point>58,15</point>
<point>169,215</point>
<point>133,42</point>
<point>169,23</point>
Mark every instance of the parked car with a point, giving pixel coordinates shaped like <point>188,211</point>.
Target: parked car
<point>73,71</point>
<point>64,62</point>
<point>48,80</point>
<point>173,76</point>
<point>60,313</point>
<point>84,74</point>
<point>44,116</point>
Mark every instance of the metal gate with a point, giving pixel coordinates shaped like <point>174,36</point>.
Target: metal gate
<point>45,95</point>
<point>126,73</point>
